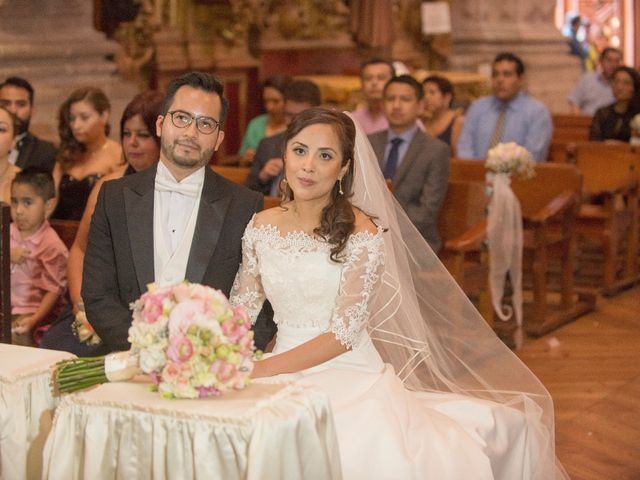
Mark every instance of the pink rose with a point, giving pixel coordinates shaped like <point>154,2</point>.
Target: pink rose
<point>183,315</point>
<point>152,310</point>
<point>181,292</point>
<point>180,349</point>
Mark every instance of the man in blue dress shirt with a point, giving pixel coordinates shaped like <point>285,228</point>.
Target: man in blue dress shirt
<point>509,115</point>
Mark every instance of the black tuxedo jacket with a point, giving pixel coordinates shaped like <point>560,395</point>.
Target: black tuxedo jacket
<point>33,152</point>
<point>119,261</point>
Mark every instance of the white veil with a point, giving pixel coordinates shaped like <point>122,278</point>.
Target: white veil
<point>424,325</point>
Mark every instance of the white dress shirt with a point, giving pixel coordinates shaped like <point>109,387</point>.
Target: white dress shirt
<point>175,213</point>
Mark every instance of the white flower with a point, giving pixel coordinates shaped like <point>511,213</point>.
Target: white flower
<point>510,158</point>
<point>153,358</point>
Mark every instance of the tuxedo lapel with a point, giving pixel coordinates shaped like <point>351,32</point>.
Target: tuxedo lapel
<point>25,149</point>
<point>211,215</point>
<point>138,202</point>
<point>413,151</point>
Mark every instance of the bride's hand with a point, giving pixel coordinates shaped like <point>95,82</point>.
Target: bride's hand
<point>259,370</point>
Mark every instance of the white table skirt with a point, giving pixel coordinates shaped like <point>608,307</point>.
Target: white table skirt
<point>270,430</point>
<point>26,408</point>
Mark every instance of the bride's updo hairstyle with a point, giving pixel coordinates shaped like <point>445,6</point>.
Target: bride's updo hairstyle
<point>337,221</point>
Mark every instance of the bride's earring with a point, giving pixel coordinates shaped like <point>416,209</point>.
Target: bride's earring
<point>340,187</point>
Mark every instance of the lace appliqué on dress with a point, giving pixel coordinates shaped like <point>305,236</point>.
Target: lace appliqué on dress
<point>304,286</point>
<point>360,274</point>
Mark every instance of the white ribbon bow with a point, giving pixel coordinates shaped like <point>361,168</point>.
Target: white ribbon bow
<point>165,184</point>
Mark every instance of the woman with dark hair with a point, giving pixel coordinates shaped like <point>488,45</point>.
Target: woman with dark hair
<point>440,120</point>
<point>419,385</point>
<point>140,149</point>
<point>269,123</point>
<point>612,122</point>
<point>86,153</point>
<point>8,129</point>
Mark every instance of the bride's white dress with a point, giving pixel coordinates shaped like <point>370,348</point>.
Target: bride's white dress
<point>384,430</point>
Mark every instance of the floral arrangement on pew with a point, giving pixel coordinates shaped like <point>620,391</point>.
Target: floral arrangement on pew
<point>504,227</point>
<point>188,338</point>
<point>510,159</point>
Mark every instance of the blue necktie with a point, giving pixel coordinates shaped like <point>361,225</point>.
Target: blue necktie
<point>392,160</point>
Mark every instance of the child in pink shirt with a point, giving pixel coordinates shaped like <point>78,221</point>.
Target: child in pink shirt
<point>38,257</point>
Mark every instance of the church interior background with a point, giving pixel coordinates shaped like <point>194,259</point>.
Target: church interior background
<point>125,46</point>
<point>128,45</point>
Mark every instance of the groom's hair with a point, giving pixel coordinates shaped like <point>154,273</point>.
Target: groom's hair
<point>201,81</point>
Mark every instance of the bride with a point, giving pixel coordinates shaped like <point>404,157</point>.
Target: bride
<point>419,386</point>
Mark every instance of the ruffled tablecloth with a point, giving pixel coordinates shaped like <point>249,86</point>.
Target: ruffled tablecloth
<point>270,430</point>
<point>26,408</point>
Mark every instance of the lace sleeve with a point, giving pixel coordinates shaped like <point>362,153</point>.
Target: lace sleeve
<point>247,286</point>
<point>360,277</point>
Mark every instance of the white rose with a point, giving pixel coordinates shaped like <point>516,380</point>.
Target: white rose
<point>152,359</point>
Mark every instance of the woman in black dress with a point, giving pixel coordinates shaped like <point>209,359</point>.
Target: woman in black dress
<point>612,122</point>
<point>86,153</point>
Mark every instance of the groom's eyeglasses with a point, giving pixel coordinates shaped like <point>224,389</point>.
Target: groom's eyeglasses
<point>182,119</point>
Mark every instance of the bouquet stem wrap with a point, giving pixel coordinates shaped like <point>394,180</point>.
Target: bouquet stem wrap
<point>80,373</point>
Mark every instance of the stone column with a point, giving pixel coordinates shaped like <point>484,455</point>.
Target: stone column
<point>483,28</point>
<point>53,44</point>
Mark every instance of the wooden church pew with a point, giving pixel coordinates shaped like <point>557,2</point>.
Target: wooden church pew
<point>567,129</point>
<point>549,204</point>
<point>609,214</point>
<point>462,227</point>
<point>237,175</point>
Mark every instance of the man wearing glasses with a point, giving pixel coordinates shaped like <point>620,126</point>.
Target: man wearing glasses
<point>176,221</point>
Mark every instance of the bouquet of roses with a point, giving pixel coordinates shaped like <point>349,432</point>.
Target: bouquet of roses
<point>511,159</point>
<point>187,338</point>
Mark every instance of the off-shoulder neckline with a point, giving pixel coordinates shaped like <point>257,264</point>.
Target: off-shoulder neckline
<point>275,230</point>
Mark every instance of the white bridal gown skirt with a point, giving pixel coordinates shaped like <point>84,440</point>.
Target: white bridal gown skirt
<point>388,432</point>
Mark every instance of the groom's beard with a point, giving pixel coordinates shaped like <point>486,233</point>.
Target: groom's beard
<point>22,126</point>
<point>185,161</point>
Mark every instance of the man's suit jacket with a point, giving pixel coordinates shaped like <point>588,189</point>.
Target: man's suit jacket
<point>420,182</point>
<point>119,260</point>
<point>34,152</point>
<point>268,148</point>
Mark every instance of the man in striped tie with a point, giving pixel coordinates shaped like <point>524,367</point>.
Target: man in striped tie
<point>509,115</point>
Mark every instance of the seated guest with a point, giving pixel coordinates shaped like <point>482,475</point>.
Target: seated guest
<point>16,95</point>
<point>267,124</point>
<point>38,257</point>
<point>374,74</point>
<point>594,88</point>
<point>509,115</point>
<point>266,170</point>
<point>140,148</point>
<point>612,122</point>
<point>417,163</point>
<point>440,120</point>
<point>8,171</point>
<point>86,153</point>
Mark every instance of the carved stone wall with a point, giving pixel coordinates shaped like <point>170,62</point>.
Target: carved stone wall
<point>52,43</point>
<point>483,28</point>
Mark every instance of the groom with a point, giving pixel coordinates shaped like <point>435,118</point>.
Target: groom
<point>177,220</point>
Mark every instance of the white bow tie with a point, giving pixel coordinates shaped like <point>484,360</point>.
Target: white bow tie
<point>164,184</point>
